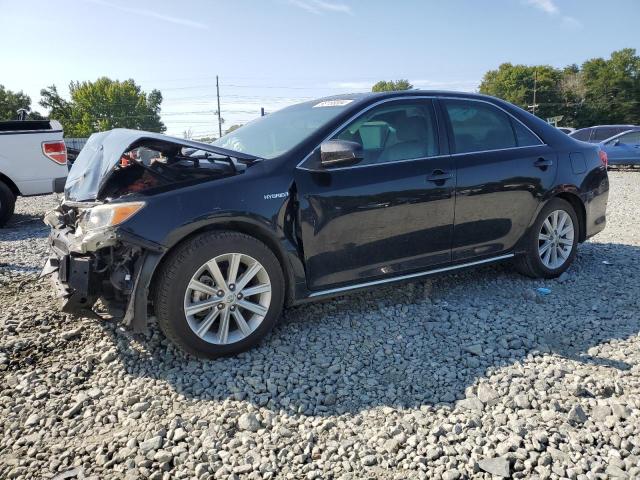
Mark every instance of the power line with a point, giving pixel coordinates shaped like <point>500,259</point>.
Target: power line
<point>282,87</point>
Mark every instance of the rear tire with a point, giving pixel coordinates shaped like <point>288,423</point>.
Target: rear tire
<point>550,251</point>
<point>207,310</point>
<point>7,203</point>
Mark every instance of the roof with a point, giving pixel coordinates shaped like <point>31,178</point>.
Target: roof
<point>395,93</point>
<point>366,97</point>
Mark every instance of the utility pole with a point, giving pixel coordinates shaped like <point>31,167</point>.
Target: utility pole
<point>535,88</point>
<point>219,116</point>
<point>262,111</point>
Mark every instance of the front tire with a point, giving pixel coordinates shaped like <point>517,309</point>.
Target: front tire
<point>219,294</point>
<point>551,244</point>
<point>7,203</point>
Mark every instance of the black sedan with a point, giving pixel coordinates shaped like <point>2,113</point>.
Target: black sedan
<point>318,199</point>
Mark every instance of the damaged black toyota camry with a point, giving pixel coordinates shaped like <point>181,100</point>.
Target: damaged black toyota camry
<point>314,200</point>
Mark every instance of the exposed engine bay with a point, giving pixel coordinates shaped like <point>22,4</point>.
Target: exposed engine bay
<point>156,164</point>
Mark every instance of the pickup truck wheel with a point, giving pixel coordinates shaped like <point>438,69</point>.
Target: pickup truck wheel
<point>7,203</point>
<point>552,242</point>
<point>219,294</point>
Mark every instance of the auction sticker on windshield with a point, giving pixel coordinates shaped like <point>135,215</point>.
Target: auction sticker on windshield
<point>333,103</point>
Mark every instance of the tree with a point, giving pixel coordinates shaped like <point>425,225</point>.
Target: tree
<point>612,88</point>
<point>11,102</point>
<point>600,91</point>
<point>206,139</point>
<point>103,105</point>
<point>232,128</point>
<point>516,84</point>
<point>572,91</point>
<point>391,86</point>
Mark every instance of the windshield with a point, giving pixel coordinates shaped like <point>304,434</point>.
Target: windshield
<point>278,132</point>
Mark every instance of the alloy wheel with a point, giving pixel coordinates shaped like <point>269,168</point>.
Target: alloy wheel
<point>227,298</point>
<point>555,240</point>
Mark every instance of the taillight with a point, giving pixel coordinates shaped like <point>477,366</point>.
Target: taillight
<point>56,151</point>
<point>603,158</point>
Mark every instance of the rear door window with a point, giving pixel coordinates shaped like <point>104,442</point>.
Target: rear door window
<point>479,126</point>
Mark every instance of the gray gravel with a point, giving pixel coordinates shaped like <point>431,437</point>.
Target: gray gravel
<point>473,375</point>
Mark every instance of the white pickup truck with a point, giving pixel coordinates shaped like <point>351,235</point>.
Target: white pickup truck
<point>33,161</point>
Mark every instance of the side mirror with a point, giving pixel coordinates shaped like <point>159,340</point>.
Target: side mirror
<point>616,142</point>
<point>340,153</point>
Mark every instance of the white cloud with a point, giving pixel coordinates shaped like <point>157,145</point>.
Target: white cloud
<point>571,22</point>
<point>318,7</point>
<point>549,7</point>
<point>151,14</point>
<point>459,85</point>
<point>351,85</point>
<point>545,5</point>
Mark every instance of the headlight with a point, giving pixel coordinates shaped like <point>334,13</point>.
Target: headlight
<point>110,215</point>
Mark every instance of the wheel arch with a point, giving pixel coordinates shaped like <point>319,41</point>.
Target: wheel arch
<point>248,228</point>
<point>578,206</point>
<point>569,195</point>
<point>10,183</point>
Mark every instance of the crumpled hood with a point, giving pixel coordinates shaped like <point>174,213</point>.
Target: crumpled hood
<point>102,153</point>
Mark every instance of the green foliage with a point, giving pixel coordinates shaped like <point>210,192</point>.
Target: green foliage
<point>103,105</point>
<point>515,84</point>
<point>232,128</point>
<point>599,92</point>
<point>207,139</point>
<point>11,102</point>
<point>391,86</point>
<point>612,88</point>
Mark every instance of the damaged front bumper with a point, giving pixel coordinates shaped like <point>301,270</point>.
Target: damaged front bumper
<point>71,279</point>
<point>115,267</point>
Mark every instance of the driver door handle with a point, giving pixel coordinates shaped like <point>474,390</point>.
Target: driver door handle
<point>543,163</point>
<point>439,176</point>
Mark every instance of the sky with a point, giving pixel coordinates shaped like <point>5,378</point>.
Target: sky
<point>272,53</point>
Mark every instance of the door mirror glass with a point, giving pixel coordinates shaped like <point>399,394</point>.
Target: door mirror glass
<point>340,153</point>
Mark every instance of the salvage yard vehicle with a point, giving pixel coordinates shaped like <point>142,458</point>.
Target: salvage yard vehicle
<point>623,149</point>
<point>599,133</point>
<point>33,161</point>
<point>312,201</point>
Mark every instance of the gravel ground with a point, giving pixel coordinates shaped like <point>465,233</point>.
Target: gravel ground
<point>473,375</point>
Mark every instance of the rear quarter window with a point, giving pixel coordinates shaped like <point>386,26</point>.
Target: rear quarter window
<point>524,136</point>
<point>582,135</point>
<point>600,134</point>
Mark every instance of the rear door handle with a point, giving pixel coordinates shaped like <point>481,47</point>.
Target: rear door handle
<point>543,163</point>
<point>439,176</point>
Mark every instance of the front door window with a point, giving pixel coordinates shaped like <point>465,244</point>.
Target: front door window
<point>394,132</point>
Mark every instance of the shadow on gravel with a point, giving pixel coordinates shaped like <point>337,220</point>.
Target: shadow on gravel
<point>415,344</point>
<point>16,268</point>
<point>24,226</point>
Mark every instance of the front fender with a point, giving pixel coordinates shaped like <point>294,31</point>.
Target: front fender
<point>136,314</point>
